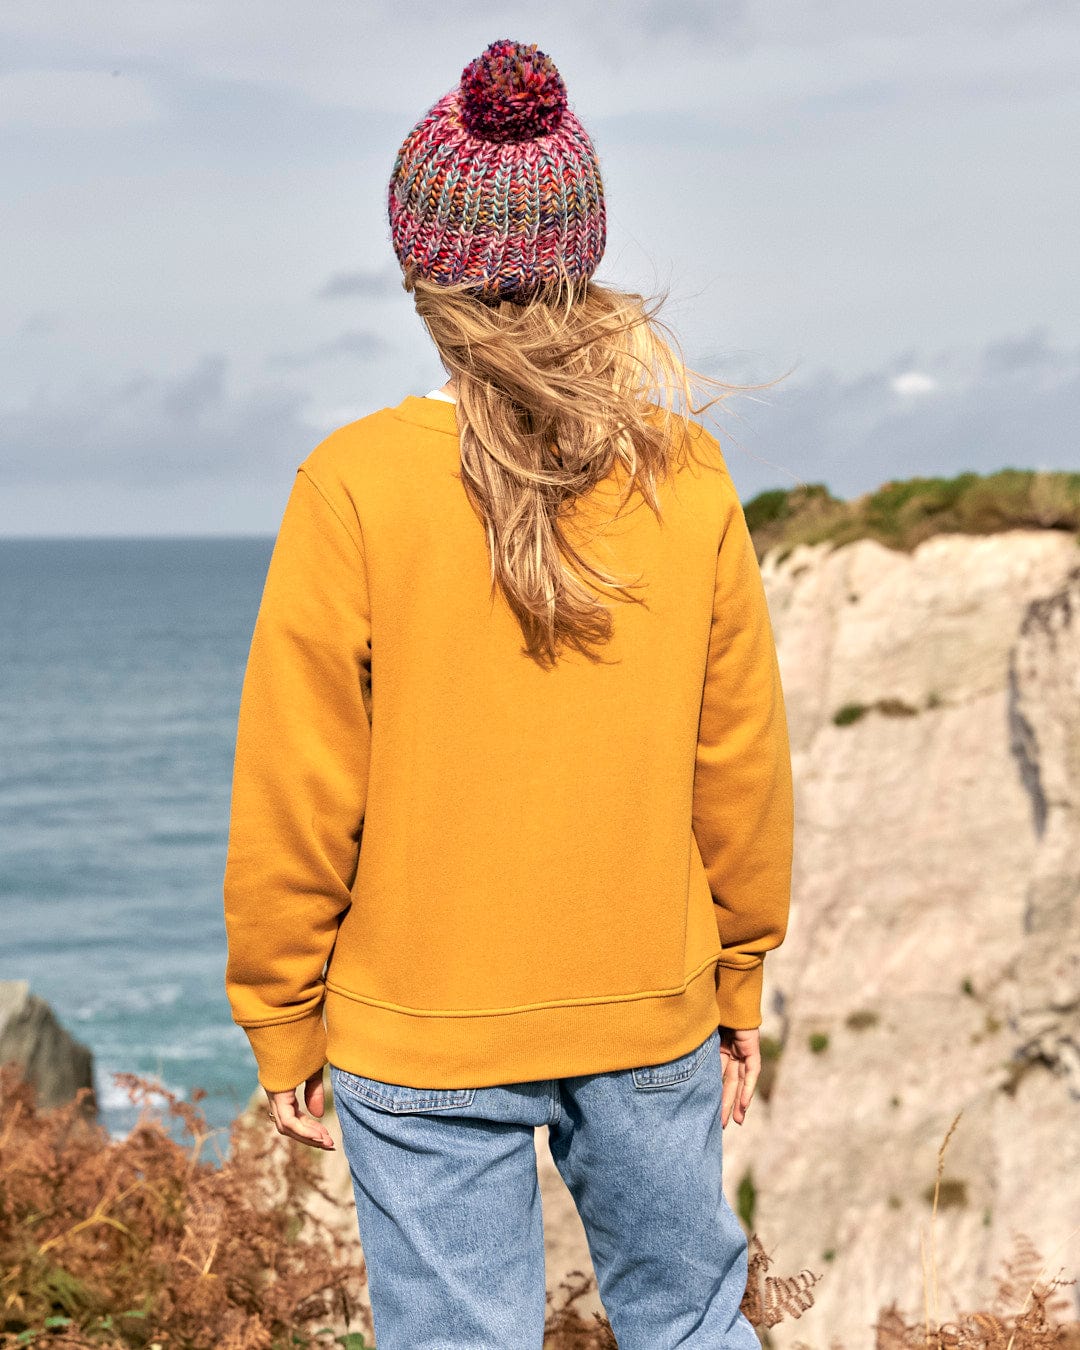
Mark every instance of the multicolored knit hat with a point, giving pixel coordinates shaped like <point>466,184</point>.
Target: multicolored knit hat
<point>498,185</point>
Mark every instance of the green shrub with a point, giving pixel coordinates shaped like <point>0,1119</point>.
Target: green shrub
<point>746,1199</point>
<point>901,514</point>
<point>767,508</point>
<point>895,707</point>
<point>951,1192</point>
<point>888,707</point>
<point>771,1050</point>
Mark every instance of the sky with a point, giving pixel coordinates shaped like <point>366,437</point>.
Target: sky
<point>874,205</point>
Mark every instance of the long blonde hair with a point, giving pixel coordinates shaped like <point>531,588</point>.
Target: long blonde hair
<point>552,394</point>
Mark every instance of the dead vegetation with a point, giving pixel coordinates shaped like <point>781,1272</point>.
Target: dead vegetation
<point>144,1244</point>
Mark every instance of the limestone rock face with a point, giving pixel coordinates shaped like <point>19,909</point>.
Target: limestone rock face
<point>50,1057</point>
<point>932,962</point>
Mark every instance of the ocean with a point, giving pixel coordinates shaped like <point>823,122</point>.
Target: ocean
<point>121,664</point>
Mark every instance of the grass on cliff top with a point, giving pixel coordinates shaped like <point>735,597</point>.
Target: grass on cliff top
<point>901,515</point>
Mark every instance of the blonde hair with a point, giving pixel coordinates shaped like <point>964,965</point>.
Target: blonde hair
<point>552,394</point>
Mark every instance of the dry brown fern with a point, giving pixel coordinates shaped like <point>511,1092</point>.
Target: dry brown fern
<point>1033,1325</point>
<point>1027,1328</point>
<point>1019,1274</point>
<point>139,1242</point>
<point>1035,1328</point>
<point>768,1299</point>
<point>771,1298</point>
<point>567,1328</point>
<point>1027,1311</point>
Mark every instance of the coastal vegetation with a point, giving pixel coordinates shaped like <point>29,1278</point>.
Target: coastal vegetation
<point>902,514</point>
<point>143,1243</point>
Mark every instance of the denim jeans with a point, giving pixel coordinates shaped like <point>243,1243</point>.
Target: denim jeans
<point>450,1220</point>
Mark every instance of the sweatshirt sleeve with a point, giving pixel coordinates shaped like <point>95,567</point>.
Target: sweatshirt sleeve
<point>743,800</point>
<point>299,785</point>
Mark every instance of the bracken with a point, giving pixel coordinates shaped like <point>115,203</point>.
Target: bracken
<point>140,1244</point>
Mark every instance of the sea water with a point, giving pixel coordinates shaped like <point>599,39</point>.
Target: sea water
<point>121,664</point>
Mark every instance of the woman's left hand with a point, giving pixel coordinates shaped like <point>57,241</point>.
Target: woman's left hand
<point>740,1060</point>
<point>288,1119</point>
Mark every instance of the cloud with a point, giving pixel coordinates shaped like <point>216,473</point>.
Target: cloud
<point>912,383</point>
<point>189,399</point>
<point>75,100</point>
<point>693,18</point>
<point>371,283</point>
<point>615,52</point>
<point>1012,403</point>
<point>360,343</point>
<point>41,323</point>
<point>148,431</point>
<point>1031,353</point>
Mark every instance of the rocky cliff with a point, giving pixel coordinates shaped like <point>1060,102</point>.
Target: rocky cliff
<point>932,963</point>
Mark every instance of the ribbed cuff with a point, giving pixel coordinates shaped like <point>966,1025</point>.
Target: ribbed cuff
<point>738,996</point>
<point>288,1053</point>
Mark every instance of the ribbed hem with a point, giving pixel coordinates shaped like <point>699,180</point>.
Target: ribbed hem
<point>288,1053</point>
<point>738,996</point>
<point>439,1050</point>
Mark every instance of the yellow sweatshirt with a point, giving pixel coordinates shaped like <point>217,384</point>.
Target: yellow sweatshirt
<point>476,870</point>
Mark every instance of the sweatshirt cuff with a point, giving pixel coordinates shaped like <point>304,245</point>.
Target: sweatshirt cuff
<point>738,996</point>
<point>288,1053</point>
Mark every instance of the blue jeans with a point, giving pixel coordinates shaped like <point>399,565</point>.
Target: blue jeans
<point>448,1206</point>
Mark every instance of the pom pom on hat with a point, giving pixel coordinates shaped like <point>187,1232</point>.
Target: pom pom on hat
<point>512,92</point>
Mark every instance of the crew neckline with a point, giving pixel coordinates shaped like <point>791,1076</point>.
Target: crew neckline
<point>434,413</point>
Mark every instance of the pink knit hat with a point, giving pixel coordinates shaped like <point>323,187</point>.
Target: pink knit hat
<point>498,185</point>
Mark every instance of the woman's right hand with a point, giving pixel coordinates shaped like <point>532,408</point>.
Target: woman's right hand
<point>740,1059</point>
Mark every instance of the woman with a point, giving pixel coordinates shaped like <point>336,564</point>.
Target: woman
<point>512,799</point>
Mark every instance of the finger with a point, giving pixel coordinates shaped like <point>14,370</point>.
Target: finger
<point>731,1089</point>
<point>737,1108</point>
<point>314,1094</point>
<point>746,1096</point>
<point>749,1084</point>
<point>300,1127</point>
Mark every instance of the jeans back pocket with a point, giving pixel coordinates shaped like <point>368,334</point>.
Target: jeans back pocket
<point>396,1097</point>
<point>676,1070</point>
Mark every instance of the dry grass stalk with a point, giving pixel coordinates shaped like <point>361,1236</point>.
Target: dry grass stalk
<point>1036,1326</point>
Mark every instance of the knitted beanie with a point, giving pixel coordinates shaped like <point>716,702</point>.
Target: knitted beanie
<point>498,185</point>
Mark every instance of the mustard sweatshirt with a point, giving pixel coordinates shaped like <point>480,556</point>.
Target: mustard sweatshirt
<point>449,867</point>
